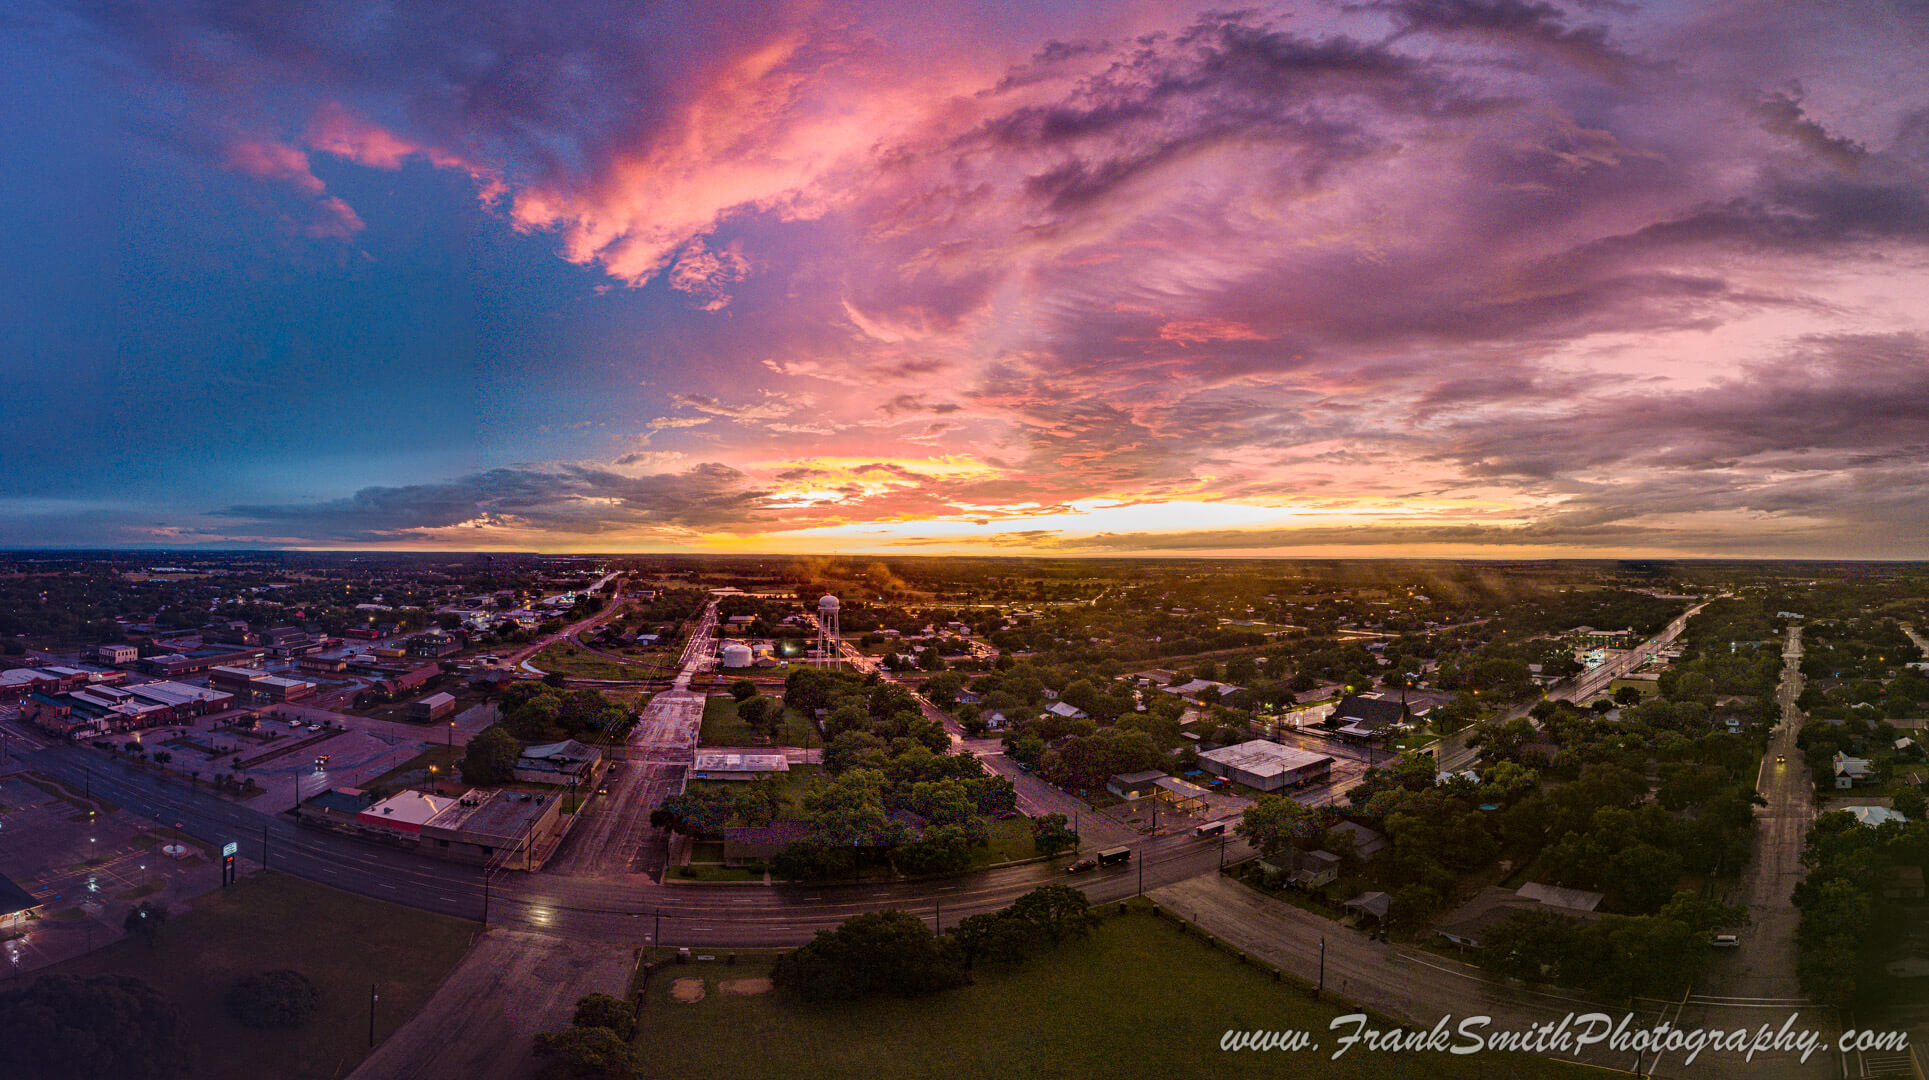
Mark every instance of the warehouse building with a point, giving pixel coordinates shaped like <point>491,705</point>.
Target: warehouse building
<point>1266,765</point>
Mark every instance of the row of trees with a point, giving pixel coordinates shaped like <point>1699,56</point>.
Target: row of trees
<point>1851,915</point>
<point>895,954</point>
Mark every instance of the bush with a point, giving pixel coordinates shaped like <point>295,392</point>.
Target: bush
<point>877,953</point>
<point>66,1028</point>
<point>274,999</point>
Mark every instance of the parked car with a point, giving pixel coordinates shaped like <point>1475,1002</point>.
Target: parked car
<point>1725,941</point>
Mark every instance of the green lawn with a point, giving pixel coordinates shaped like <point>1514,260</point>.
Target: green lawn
<point>721,727</point>
<point>1010,839</point>
<point>576,663</point>
<point>1137,999</point>
<point>342,942</point>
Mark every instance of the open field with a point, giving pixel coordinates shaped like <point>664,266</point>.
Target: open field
<point>342,942</point>
<point>721,727</point>
<point>1137,999</point>
<point>578,663</point>
<point>443,757</point>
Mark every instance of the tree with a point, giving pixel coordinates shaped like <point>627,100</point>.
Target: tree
<point>760,714</point>
<point>273,999</point>
<point>1274,823</point>
<point>1060,911</point>
<point>604,1011</point>
<point>877,953</point>
<point>1911,803</point>
<point>700,811</point>
<point>1051,834</point>
<point>108,1027</point>
<point>996,936</point>
<point>145,920</point>
<point>761,800</point>
<point>490,758</point>
<point>586,1053</point>
<point>555,679</point>
<point>743,690</point>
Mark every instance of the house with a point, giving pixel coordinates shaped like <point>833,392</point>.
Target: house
<point>1874,816</point>
<point>996,720</point>
<point>1372,905</point>
<point>557,763</point>
<point>1138,785</point>
<point>1315,869</point>
<point>1493,905</point>
<point>1361,716</point>
<point>1068,711</point>
<point>1366,843</point>
<point>745,846</point>
<point>1266,765</point>
<point>1198,686</point>
<point>1850,771</point>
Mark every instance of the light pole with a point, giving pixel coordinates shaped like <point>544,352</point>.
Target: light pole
<point>1322,965</point>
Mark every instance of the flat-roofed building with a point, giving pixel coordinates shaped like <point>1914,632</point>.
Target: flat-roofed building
<point>405,811</point>
<point>505,827</point>
<point>1266,765</point>
<point>186,699</point>
<point>736,765</point>
<point>17,905</point>
<point>432,708</point>
<point>558,763</point>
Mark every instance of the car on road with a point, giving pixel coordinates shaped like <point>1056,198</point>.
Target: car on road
<point>1781,759</point>
<point>1081,866</point>
<point>1725,941</point>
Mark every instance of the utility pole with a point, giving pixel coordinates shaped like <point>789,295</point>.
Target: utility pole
<point>372,999</point>
<point>658,936</point>
<point>1222,851</point>
<point>264,847</point>
<point>1141,877</point>
<point>938,918</point>
<point>1322,965</point>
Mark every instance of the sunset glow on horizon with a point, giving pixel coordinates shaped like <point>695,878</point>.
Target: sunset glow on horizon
<point>1497,278</point>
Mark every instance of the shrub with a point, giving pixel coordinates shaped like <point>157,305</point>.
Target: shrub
<point>274,999</point>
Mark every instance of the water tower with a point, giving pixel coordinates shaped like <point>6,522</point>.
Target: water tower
<point>827,639</point>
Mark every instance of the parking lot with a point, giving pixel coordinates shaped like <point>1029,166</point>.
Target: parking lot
<point>86,869</point>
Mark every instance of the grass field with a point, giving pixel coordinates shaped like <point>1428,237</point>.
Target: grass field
<point>1135,1000</point>
<point>576,663</point>
<point>268,921</point>
<point>721,727</point>
<point>1009,839</point>
<point>416,769</point>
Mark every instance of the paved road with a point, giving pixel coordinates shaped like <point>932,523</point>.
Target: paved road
<point>1764,967</point>
<point>1419,987</point>
<point>1452,751</point>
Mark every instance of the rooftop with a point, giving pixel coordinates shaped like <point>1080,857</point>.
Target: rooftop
<point>1264,758</point>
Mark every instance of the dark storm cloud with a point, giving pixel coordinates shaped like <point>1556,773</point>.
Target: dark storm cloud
<point>567,499</point>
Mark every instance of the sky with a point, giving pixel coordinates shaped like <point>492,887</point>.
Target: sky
<point>1483,278</point>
